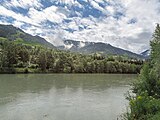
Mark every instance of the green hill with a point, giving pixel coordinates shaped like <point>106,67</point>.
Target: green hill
<point>18,36</point>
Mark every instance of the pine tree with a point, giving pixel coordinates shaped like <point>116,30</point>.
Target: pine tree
<point>155,45</point>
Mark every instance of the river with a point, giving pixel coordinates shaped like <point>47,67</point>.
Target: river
<point>63,96</point>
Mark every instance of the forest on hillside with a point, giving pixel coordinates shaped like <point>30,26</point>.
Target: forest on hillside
<point>21,58</point>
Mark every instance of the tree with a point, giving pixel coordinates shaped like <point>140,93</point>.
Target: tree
<point>3,59</point>
<point>10,52</point>
<point>50,59</point>
<point>42,60</point>
<point>155,43</point>
<point>23,54</point>
<point>145,104</point>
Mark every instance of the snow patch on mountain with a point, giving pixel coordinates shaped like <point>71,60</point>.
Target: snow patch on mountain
<point>146,53</point>
<point>81,44</point>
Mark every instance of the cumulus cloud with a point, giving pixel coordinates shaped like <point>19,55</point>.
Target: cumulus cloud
<point>127,24</point>
<point>23,3</point>
<point>19,17</point>
<point>51,13</point>
<point>96,5</point>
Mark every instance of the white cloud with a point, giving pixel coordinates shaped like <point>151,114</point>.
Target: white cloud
<point>110,9</point>
<point>35,17</point>
<point>19,17</point>
<point>70,2</point>
<point>96,5</point>
<point>99,1</point>
<point>24,3</point>
<point>52,14</point>
<point>18,24</point>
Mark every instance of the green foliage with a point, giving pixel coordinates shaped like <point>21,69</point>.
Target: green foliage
<point>42,59</point>
<point>9,54</point>
<point>145,103</point>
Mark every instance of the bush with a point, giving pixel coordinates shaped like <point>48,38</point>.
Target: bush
<point>26,70</point>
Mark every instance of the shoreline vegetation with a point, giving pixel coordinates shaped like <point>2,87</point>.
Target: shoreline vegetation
<point>26,58</point>
<point>144,100</point>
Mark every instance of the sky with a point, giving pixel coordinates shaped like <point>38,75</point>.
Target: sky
<point>127,24</point>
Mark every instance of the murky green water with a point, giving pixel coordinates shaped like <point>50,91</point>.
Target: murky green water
<point>63,96</point>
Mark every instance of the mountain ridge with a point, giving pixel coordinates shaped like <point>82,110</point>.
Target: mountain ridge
<point>16,34</point>
<point>146,53</point>
<point>94,47</point>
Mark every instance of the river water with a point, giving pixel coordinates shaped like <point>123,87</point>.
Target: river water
<point>63,96</point>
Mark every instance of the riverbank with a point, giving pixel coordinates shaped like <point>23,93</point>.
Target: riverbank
<point>39,71</point>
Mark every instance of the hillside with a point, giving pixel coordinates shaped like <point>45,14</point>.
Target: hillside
<point>146,53</point>
<point>93,47</point>
<point>15,34</point>
<point>18,36</point>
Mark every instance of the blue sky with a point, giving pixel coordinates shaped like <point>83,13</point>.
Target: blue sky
<point>127,24</point>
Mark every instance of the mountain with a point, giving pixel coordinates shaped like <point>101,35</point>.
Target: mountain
<point>15,34</point>
<point>146,53</point>
<point>93,47</point>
